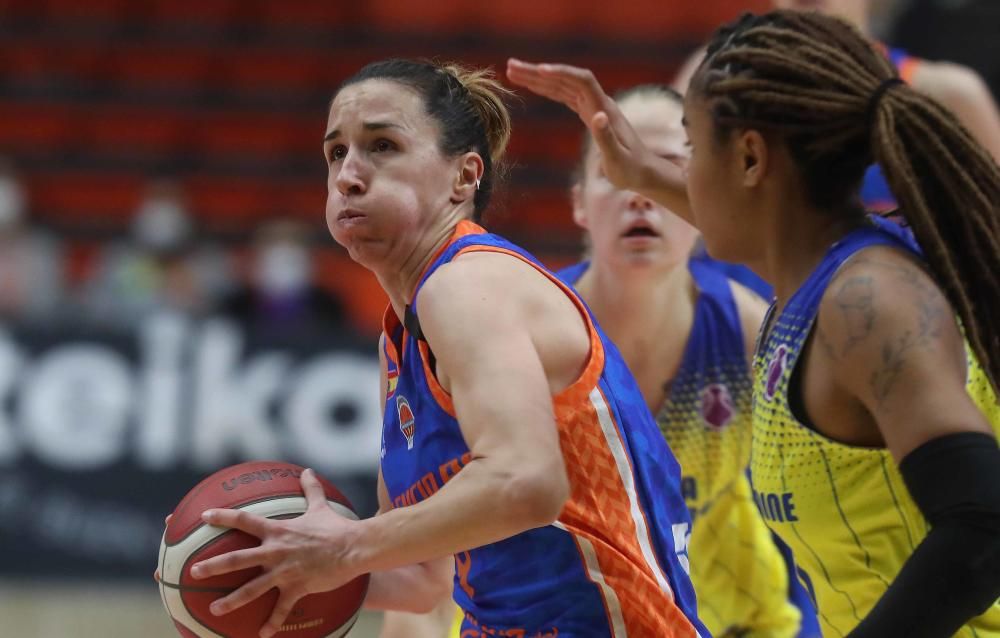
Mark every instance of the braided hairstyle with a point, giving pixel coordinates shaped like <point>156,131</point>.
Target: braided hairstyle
<point>466,103</point>
<point>810,79</point>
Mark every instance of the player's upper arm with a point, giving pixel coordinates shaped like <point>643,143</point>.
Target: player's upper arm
<point>752,310</point>
<point>476,318</point>
<point>894,344</point>
<point>964,92</point>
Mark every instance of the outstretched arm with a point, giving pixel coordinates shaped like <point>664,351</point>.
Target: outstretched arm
<point>627,161</point>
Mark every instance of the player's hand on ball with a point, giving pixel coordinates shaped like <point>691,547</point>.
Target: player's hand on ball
<point>623,155</point>
<point>300,556</point>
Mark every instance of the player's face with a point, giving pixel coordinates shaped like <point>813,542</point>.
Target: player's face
<point>626,228</point>
<point>387,179</point>
<point>714,187</point>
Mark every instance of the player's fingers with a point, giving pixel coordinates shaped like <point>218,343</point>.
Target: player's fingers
<point>286,602</point>
<point>238,519</point>
<point>604,135</point>
<point>249,592</point>
<point>166,521</point>
<point>313,489</point>
<point>531,80</point>
<point>230,562</point>
<point>156,574</point>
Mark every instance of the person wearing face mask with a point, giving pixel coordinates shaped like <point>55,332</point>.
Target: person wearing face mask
<point>31,270</point>
<point>162,267</point>
<point>281,297</point>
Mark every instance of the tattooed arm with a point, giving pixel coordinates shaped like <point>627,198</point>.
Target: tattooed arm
<point>895,356</point>
<point>892,355</point>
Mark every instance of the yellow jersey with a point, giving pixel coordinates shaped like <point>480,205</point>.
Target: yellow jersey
<point>844,510</point>
<point>739,576</point>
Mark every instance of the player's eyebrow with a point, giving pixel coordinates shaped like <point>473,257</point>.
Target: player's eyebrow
<point>368,126</point>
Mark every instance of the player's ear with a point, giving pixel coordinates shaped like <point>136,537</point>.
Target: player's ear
<point>467,179</point>
<point>576,197</point>
<point>752,154</point>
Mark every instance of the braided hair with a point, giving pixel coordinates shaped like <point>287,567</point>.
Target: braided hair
<point>811,79</point>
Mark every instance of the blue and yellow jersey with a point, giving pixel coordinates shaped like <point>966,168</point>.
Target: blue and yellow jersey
<point>875,194</point>
<point>613,562</point>
<point>738,573</point>
<point>844,510</point>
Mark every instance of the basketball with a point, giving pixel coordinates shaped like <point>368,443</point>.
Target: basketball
<point>265,488</point>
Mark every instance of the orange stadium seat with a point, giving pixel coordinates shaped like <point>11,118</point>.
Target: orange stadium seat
<point>306,13</point>
<point>105,11</point>
<point>30,127</point>
<point>84,198</point>
<point>354,283</point>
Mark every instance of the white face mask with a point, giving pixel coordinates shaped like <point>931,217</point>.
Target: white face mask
<point>283,268</point>
<point>161,224</point>
<point>13,202</point>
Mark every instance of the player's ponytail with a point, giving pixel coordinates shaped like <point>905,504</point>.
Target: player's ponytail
<point>466,103</point>
<point>839,106</point>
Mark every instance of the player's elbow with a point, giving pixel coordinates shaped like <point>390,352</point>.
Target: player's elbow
<point>537,493</point>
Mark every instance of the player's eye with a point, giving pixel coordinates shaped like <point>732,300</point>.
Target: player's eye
<point>338,152</point>
<point>382,146</point>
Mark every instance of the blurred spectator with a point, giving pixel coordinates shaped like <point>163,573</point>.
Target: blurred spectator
<point>31,272</point>
<point>281,295</point>
<point>163,267</point>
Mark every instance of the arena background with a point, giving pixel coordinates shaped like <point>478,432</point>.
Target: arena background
<point>170,300</point>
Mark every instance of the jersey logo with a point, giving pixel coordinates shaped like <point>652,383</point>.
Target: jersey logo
<point>717,407</point>
<point>406,421</point>
<point>775,370</point>
<point>391,381</point>
<point>682,537</point>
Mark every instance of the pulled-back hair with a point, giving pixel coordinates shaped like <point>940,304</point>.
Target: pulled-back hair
<point>466,103</point>
<point>811,79</point>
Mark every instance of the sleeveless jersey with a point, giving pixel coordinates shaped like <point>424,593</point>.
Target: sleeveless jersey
<point>844,510</point>
<point>875,194</point>
<point>737,571</point>
<point>614,563</point>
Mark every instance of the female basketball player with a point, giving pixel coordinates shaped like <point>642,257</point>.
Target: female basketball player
<point>957,87</point>
<point>514,437</point>
<point>686,332</point>
<point>875,411</point>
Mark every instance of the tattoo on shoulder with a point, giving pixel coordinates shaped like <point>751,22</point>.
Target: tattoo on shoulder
<point>854,301</point>
<point>930,314</point>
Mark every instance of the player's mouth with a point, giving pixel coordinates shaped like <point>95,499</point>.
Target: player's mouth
<point>640,231</point>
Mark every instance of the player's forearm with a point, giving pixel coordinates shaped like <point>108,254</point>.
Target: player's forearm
<point>663,181</point>
<point>488,501</point>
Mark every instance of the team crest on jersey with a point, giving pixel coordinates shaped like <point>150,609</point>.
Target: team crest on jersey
<point>407,424</point>
<point>717,408</point>
<point>775,370</point>
<point>392,380</point>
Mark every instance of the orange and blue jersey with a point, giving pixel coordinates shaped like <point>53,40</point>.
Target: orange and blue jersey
<point>875,194</point>
<point>614,562</point>
<point>739,574</point>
